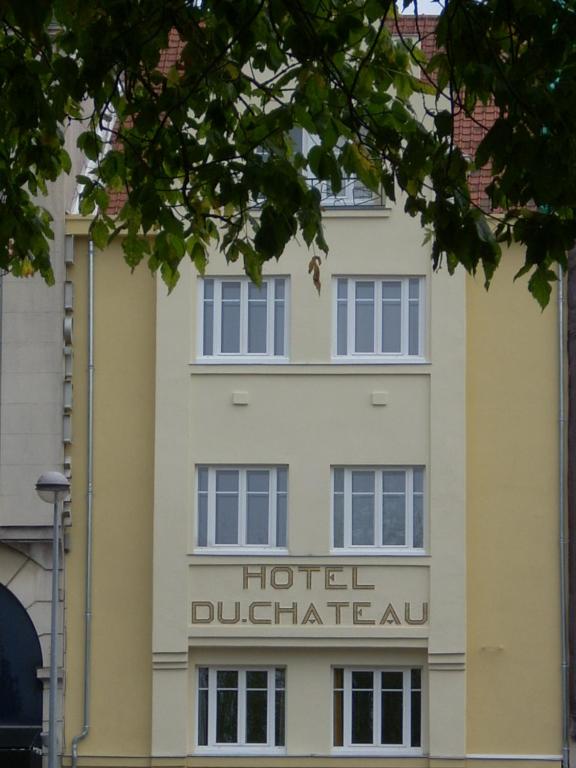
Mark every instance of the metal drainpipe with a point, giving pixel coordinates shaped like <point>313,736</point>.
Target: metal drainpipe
<point>89,506</point>
<point>562,522</point>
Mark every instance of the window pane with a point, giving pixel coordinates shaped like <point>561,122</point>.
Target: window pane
<point>203,479</point>
<point>393,681</point>
<point>203,677</point>
<point>339,481</point>
<point>414,288</point>
<point>391,327</point>
<point>413,329</point>
<point>418,480</point>
<point>226,519</point>
<point>280,678</point>
<point>258,480</point>
<point>416,707</point>
<point>227,678</point>
<point>257,520</point>
<point>282,480</point>
<point>338,519</point>
<point>230,317</point>
<point>362,713</point>
<point>391,290</point>
<point>257,318</point>
<point>338,718</point>
<point>256,717</point>
<point>392,717</point>
<point>362,482</point>
<point>227,481</point>
<point>342,289</point>
<point>394,482</point>
<point>362,520</point>
<point>279,718</point>
<point>418,522</point>
<point>341,329</point>
<point>208,318</point>
<point>227,717</point>
<point>279,327</point>
<point>203,717</point>
<point>364,317</point>
<point>393,520</point>
<point>281,519</point>
<point>202,519</point>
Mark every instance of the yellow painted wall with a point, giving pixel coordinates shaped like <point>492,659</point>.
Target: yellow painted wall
<point>513,607</point>
<point>123,506</point>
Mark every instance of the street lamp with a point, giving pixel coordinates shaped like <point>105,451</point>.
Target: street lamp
<point>52,487</point>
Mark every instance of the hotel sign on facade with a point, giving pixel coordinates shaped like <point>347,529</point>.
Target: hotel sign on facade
<point>308,595</point>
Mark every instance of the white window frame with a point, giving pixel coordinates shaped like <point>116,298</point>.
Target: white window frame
<point>379,549</point>
<point>377,356</point>
<point>213,747</point>
<point>241,547</point>
<point>242,356</point>
<point>375,748</point>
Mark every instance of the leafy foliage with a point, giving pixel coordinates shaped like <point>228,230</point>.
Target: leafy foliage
<point>199,138</point>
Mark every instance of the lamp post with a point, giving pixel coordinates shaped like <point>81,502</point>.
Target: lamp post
<point>52,487</point>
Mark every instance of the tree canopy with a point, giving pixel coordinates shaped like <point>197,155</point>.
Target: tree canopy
<point>189,111</point>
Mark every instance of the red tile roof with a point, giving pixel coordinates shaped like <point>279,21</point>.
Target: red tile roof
<point>468,131</point>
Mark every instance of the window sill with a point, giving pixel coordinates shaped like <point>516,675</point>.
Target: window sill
<point>239,751</point>
<point>368,751</point>
<point>377,552</point>
<point>242,551</point>
<point>380,360</point>
<point>242,360</point>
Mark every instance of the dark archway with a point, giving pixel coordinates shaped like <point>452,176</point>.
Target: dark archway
<point>20,689</point>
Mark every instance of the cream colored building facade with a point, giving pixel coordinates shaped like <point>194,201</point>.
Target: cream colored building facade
<point>325,526</point>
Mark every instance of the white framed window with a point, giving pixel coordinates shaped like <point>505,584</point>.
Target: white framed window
<point>379,319</point>
<point>378,509</point>
<point>353,193</point>
<point>242,507</point>
<point>241,709</point>
<point>242,322</point>
<point>377,710</point>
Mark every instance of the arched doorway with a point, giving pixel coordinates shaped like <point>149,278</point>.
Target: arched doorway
<point>20,689</point>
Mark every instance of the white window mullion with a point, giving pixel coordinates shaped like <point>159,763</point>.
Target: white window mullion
<point>217,317</point>
<point>347,696</point>
<point>212,711</point>
<point>243,317</point>
<point>378,508</point>
<point>377,317</point>
<point>270,306</point>
<point>351,294</point>
<point>211,508</point>
<point>270,713</point>
<point>377,708</point>
<point>272,510</point>
<point>404,317</point>
<point>407,708</point>
<point>241,724</point>
<point>347,508</point>
<point>409,507</point>
<point>242,504</point>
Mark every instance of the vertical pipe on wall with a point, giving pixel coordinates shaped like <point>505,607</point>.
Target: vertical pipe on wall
<point>89,508</point>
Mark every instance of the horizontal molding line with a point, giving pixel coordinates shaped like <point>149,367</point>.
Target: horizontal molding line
<point>536,758</point>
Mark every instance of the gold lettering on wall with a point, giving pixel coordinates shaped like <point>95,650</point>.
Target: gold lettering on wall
<point>390,616</point>
<point>312,616</point>
<point>230,620</point>
<point>408,618</point>
<point>253,619</point>
<point>356,584</point>
<point>330,577</point>
<point>259,574</point>
<point>202,612</point>
<point>281,577</point>
<point>280,611</point>
<point>357,613</point>
<point>338,610</point>
<point>308,570</point>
